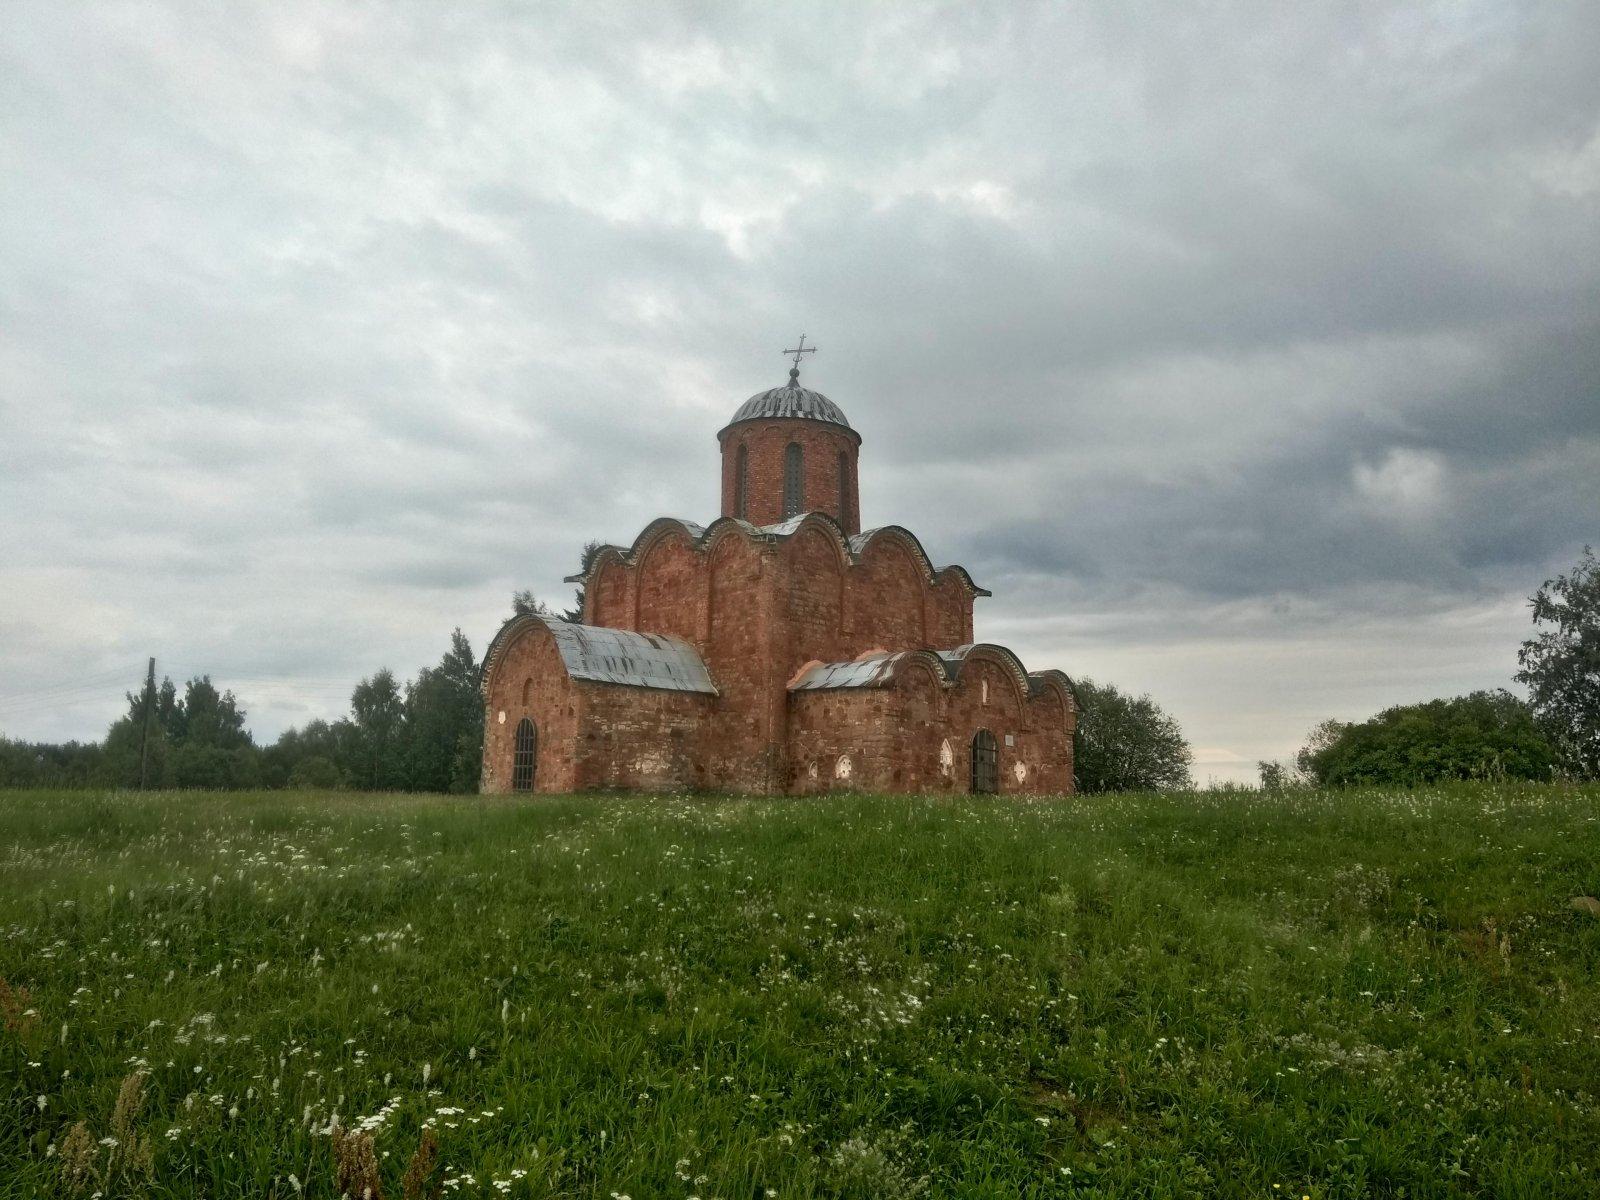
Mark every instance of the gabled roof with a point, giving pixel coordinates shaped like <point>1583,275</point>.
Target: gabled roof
<point>620,656</point>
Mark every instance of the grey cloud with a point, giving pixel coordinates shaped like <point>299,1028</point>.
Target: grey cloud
<point>1209,338</point>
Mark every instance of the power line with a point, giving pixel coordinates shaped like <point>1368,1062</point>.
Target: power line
<point>78,683</point>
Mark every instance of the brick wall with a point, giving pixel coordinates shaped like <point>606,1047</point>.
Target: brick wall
<point>765,443</point>
<point>590,735</point>
<point>642,739</point>
<point>529,680</point>
<point>895,737</point>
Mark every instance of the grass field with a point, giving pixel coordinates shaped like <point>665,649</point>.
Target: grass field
<point>1221,994</point>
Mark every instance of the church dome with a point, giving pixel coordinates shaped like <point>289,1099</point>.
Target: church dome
<point>793,402</point>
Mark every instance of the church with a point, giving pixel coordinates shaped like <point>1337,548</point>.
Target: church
<point>778,650</point>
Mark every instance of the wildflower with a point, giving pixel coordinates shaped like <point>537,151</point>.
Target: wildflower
<point>42,1103</point>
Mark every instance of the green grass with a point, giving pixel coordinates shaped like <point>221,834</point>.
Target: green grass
<point>1223,994</point>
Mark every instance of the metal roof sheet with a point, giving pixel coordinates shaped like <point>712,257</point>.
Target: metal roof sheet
<point>646,660</point>
<point>792,401</point>
<point>785,528</point>
<point>876,671</point>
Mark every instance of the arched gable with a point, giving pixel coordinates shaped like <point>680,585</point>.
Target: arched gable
<point>1058,683</point>
<point>726,527</point>
<point>821,526</point>
<point>916,666</point>
<point>814,602</point>
<point>863,545</point>
<point>1010,665</point>
<point>861,542</point>
<point>663,527</point>
<point>668,588</point>
<point>605,596</point>
<point>888,594</point>
<point>501,644</point>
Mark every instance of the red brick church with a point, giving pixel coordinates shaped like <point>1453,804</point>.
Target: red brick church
<point>779,649</point>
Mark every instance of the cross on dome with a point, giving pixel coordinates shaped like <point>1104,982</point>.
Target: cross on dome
<point>802,348</point>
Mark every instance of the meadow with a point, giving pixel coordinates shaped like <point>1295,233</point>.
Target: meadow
<point>1227,994</point>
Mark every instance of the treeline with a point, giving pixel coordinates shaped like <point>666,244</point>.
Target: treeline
<point>424,735</point>
<point>1487,735</point>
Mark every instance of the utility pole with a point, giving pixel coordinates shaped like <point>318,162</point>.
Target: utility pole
<point>149,707</point>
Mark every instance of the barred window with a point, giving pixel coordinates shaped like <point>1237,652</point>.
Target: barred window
<point>985,763</point>
<point>525,759</point>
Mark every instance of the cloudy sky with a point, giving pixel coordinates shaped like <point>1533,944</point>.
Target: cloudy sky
<point>1251,355</point>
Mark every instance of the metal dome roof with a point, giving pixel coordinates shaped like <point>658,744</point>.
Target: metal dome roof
<point>791,401</point>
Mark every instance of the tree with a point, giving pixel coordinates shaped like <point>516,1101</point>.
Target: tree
<point>197,739</point>
<point>444,723</point>
<point>211,719</point>
<point>525,604</point>
<point>1323,735</point>
<point>1561,665</point>
<point>1275,776</point>
<point>575,613</point>
<point>47,764</point>
<point>373,739</point>
<point>125,744</point>
<point>282,760</point>
<point>1126,743</point>
<point>1486,735</point>
<point>316,772</point>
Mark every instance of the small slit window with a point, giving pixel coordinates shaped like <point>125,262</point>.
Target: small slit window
<point>741,481</point>
<point>793,481</point>
<point>844,488</point>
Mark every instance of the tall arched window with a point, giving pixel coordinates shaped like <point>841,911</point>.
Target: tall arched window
<point>525,759</point>
<point>793,479</point>
<point>985,763</point>
<point>741,481</point>
<point>844,489</point>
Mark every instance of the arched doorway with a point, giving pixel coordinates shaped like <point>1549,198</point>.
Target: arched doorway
<point>525,759</point>
<point>985,763</point>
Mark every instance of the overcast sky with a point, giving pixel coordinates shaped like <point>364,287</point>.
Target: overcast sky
<point>1250,356</point>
